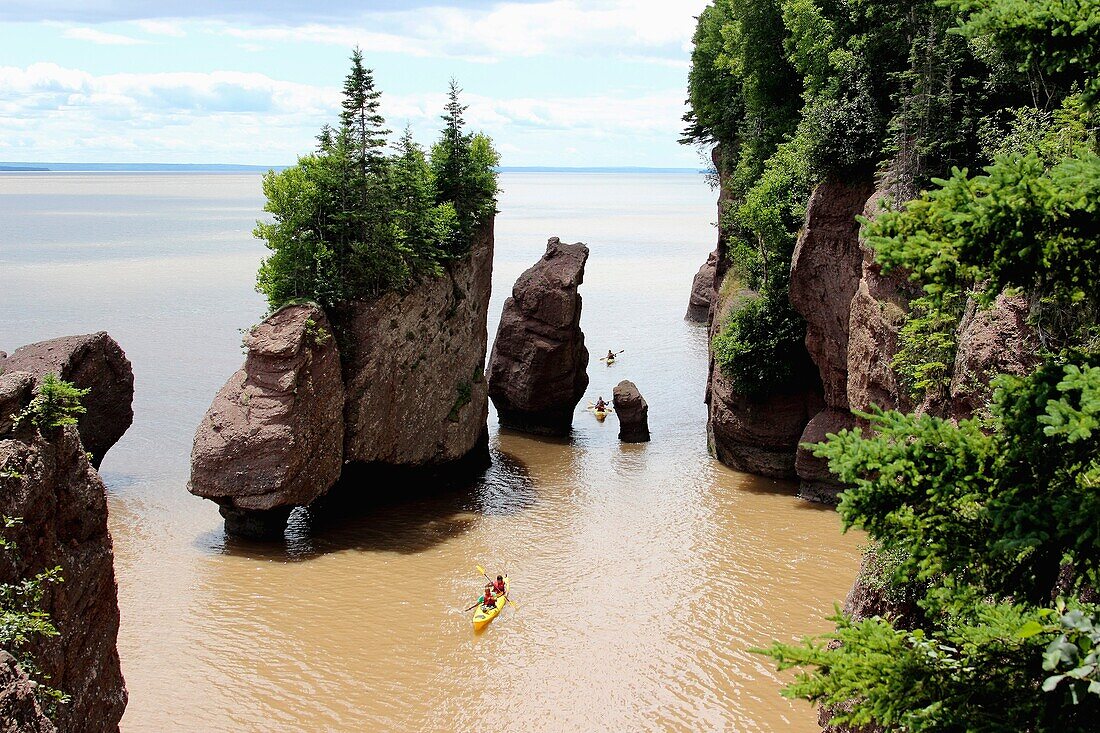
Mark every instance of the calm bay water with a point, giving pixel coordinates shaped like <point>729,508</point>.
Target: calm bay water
<point>642,573</point>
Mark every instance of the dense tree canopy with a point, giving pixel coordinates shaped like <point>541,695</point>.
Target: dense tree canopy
<point>989,108</point>
<point>353,221</point>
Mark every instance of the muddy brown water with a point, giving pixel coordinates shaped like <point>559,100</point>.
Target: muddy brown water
<point>643,574</point>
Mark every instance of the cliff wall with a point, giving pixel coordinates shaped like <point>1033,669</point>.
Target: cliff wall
<point>48,482</point>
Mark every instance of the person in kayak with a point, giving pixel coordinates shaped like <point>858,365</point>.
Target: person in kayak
<point>498,586</point>
<point>600,404</point>
<point>610,355</point>
<point>487,599</point>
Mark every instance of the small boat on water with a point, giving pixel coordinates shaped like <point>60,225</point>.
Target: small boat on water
<point>483,615</point>
<point>599,413</point>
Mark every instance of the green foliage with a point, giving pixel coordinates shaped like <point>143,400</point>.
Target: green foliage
<point>1018,225</point>
<point>927,344</point>
<point>977,671</point>
<point>22,620</point>
<point>55,404</point>
<point>762,349</point>
<point>349,221</point>
<point>1054,43</point>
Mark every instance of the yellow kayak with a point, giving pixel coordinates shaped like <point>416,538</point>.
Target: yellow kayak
<point>600,414</point>
<point>483,615</point>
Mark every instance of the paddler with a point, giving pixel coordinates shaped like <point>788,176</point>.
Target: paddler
<point>498,586</point>
<point>487,600</point>
<point>610,355</point>
<point>600,404</point>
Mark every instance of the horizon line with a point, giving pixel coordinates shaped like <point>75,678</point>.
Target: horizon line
<point>65,167</point>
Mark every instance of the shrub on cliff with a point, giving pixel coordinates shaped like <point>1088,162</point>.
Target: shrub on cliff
<point>351,221</point>
<point>55,405</point>
<point>22,619</point>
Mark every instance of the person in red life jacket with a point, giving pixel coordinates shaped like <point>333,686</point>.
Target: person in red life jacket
<point>601,404</point>
<point>498,586</point>
<point>487,600</point>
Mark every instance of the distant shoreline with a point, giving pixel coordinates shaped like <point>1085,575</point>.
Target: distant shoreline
<point>36,167</point>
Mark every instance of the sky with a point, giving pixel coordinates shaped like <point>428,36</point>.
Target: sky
<point>553,82</point>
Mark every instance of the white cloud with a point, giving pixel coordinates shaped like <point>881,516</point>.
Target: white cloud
<point>161,28</point>
<point>638,30</point>
<point>101,37</point>
<point>226,116</point>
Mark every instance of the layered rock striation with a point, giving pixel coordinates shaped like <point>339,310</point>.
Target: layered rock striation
<point>47,480</point>
<point>538,370</point>
<point>632,411</point>
<point>273,439</point>
<point>385,390</point>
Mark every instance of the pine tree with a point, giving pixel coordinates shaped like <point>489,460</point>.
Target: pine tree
<point>361,116</point>
<point>452,158</point>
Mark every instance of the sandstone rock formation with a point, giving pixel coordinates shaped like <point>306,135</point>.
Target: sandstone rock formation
<point>754,436</point>
<point>826,269</point>
<point>414,372</point>
<point>390,389</point>
<point>273,437</point>
<point>19,709</point>
<point>992,341</point>
<point>16,390</point>
<point>702,290</point>
<point>49,483</point>
<point>632,411</point>
<point>92,361</point>
<point>538,369</point>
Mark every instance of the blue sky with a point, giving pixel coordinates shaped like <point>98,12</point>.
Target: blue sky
<point>554,82</point>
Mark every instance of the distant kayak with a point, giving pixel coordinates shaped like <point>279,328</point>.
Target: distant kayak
<point>483,615</point>
<point>600,414</point>
<point>610,359</point>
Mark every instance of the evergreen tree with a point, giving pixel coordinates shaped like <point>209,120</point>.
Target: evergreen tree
<point>361,116</point>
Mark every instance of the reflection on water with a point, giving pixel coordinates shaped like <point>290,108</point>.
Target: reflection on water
<point>642,573</point>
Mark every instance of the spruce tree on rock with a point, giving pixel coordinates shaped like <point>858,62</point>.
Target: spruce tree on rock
<point>361,116</point>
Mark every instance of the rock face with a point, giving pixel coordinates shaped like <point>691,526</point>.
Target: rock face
<point>93,361</point>
<point>49,483</point>
<point>854,314</point>
<point>272,439</point>
<point>754,436</point>
<point>391,388</point>
<point>702,290</point>
<point>19,709</point>
<point>414,372</point>
<point>632,411</point>
<point>538,369</point>
<point>825,274</point>
<point>992,341</point>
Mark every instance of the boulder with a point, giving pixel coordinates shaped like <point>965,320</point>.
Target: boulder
<point>95,362</point>
<point>632,411</point>
<point>816,482</point>
<point>273,437</point>
<point>702,290</point>
<point>758,436</point>
<point>19,708</point>
<point>414,374</point>
<point>16,391</point>
<point>538,368</point>
<point>48,481</point>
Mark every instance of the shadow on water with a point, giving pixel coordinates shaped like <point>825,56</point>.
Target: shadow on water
<point>378,516</point>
